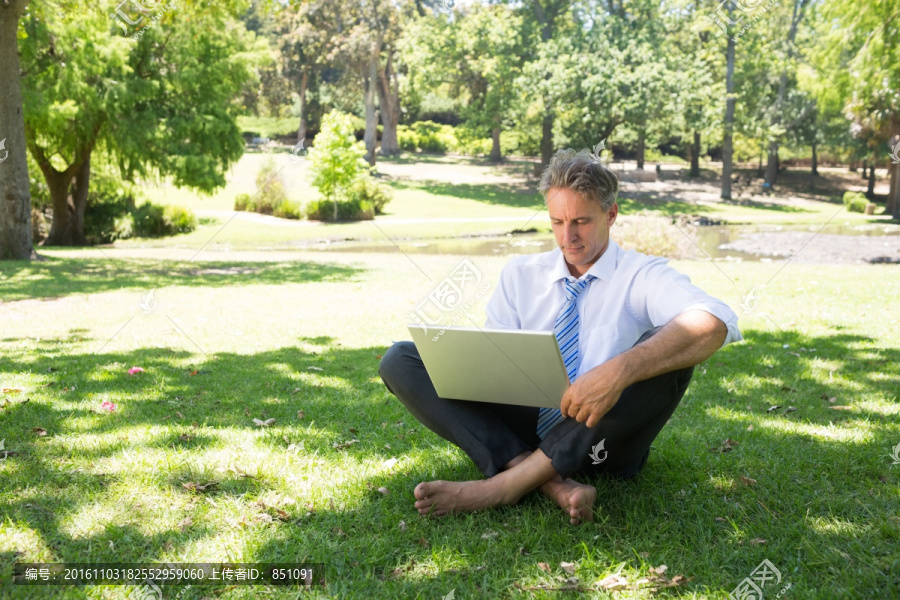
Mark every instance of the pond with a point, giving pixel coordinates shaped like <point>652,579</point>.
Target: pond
<point>720,242</point>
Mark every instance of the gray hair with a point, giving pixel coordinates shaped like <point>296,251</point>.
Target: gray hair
<point>582,173</point>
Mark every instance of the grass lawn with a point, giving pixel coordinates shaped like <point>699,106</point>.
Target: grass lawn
<point>296,337</point>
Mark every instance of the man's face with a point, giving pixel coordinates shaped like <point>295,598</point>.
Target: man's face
<point>581,227</point>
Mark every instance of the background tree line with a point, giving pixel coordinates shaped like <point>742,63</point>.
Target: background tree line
<point>130,91</point>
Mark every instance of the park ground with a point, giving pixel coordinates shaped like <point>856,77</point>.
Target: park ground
<point>781,450</point>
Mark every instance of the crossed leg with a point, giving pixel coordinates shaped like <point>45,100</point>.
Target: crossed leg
<point>525,472</point>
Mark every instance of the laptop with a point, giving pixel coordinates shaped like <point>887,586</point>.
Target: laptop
<point>508,366</point>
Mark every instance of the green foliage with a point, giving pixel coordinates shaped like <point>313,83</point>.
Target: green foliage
<point>426,136</point>
<point>855,201</point>
<point>271,199</point>
<point>108,203</point>
<point>242,202</point>
<point>287,209</point>
<point>367,192</point>
<point>178,220</point>
<point>347,210</point>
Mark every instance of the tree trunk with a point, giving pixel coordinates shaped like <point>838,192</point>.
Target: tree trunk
<point>759,165</point>
<point>546,138</point>
<point>815,160</point>
<point>772,164</point>
<point>865,169</point>
<point>15,192</point>
<point>695,156</point>
<point>870,190</point>
<point>892,205</point>
<point>371,135</point>
<point>304,82</point>
<point>640,150</point>
<point>68,218</point>
<point>727,144</point>
<point>495,140</point>
<point>389,98</point>
<point>853,166</point>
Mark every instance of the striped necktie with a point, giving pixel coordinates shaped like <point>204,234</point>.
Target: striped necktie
<point>566,331</point>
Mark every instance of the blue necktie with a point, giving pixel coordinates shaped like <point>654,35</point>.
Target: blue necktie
<point>566,331</point>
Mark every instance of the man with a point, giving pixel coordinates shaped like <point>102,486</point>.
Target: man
<point>630,329</point>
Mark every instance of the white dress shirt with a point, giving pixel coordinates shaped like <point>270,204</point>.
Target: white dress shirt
<point>632,294</point>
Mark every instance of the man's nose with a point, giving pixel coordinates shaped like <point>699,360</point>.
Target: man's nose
<point>570,233</point>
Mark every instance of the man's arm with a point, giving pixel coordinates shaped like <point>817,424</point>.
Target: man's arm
<point>686,340</point>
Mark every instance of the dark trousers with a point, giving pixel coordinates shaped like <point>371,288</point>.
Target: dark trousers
<point>492,434</point>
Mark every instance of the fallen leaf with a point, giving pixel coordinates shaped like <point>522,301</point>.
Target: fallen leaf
<point>720,519</point>
<point>489,535</point>
<point>342,445</point>
<point>186,437</point>
<point>841,407</point>
<point>107,405</point>
<point>185,523</point>
<point>524,551</point>
<point>315,368</point>
<point>384,490</point>
<point>544,567</point>
<point>194,372</point>
<point>613,583</point>
<point>353,430</point>
<point>747,481</point>
<point>196,487</point>
<point>772,408</point>
<point>300,414</point>
<point>568,567</point>
<point>266,423</point>
<point>39,431</point>
<point>180,416</point>
<point>389,463</point>
<point>424,543</point>
<point>750,428</point>
<point>661,569</point>
<point>133,371</point>
<point>11,390</point>
<point>757,541</point>
<point>402,525</point>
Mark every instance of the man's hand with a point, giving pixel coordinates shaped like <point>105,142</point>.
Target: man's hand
<point>593,394</point>
<point>687,340</point>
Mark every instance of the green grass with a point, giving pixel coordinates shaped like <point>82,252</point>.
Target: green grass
<point>105,486</point>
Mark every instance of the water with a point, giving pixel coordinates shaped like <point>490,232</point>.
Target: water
<point>709,238</point>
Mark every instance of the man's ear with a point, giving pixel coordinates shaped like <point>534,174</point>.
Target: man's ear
<point>612,214</point>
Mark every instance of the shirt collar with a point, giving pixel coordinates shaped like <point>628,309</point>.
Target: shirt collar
<point>603,269</point>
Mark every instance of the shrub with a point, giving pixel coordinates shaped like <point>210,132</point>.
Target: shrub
<point>241,202</point>
<point>287,209</point>
<point>366,189</point>
<point>347,210</point>
<point>407,139</point>
<point>179,220</point>
<point>39,228</point>
<point>271,189</point>
<point>855,201</point>
<point>108,199</point>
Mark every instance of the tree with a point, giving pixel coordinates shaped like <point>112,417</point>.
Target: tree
<point>15,195</point>
<point>337,159</point>
<point>303,35</point>
<point>859,50</point>
<point>156,103</point>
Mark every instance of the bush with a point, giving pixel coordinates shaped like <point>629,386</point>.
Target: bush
<point>271,199</point>
<point>287,209</point>
<point>366,189</point>
<point>347,210</point>
<point>855,201</point>
<point>108,200</point>
<point>179,220</point>
<point>241,202</point>
<point>426,136</point>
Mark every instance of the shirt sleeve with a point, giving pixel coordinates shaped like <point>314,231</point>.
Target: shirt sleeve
<point>501,308</point>
<point>660,293</point>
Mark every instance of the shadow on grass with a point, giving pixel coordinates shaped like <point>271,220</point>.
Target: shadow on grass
<point>818,487</point>
<point>55,277</point>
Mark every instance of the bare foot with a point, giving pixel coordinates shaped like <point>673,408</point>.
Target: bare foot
<point>575,498</point>
<point>439,498</point>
